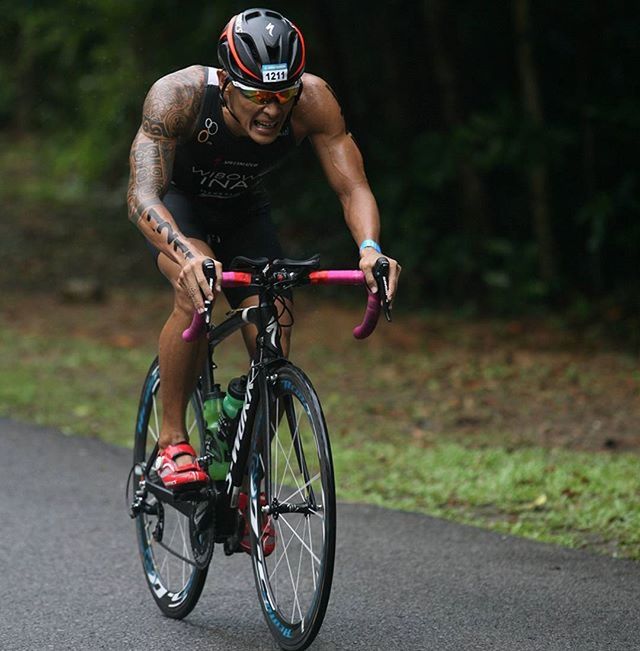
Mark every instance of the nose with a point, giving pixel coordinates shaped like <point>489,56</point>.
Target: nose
<point>272,108</point>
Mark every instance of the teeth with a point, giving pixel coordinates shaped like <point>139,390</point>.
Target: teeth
<point>266,125</point>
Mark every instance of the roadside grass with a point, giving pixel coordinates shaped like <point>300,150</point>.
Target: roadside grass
<point>576,499</point>
<point>77,386</point>
<point>395,441</point>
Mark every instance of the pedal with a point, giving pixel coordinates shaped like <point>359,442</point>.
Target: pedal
<point>231,545</point>
<point>135,508</point>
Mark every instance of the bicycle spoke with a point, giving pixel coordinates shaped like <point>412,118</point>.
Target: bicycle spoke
<point>155,431</point>
<point>297,470</point>
<point>293,585</point>
<point>175,580</point>
<point>302,542</point>
<point>283,551</point>
<point>287,467</point>
<point>313,567</point>
<point>300,489</point>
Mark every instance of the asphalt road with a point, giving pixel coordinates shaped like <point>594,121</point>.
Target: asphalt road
<point>70,577</point>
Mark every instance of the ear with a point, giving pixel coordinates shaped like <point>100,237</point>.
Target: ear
<point>222,76</point>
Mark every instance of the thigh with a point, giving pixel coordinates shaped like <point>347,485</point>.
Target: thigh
<point>285,319</point>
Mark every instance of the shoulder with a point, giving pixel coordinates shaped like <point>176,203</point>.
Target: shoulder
<point>318,110</point>
<point>179,81</point>
<point>173,102</point>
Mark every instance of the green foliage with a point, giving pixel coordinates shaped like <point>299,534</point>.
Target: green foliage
<point>74,73</point>
<point>574,499</point>
<point>566,497</point>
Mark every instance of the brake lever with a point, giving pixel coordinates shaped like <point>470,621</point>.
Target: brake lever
<point>209,270</point>
<point>381,275</point>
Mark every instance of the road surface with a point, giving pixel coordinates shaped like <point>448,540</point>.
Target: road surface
<point>70,577</point>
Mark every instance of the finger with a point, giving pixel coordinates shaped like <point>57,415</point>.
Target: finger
<point>393,279</point>
<point>196,298</point>
<point>203,283</point>
<point>370,281</point>
<point>218,276</point>
<point>189,284</point>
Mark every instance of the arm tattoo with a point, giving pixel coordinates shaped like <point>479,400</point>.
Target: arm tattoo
<point>170,112</point>
<point>173,103</point>
<point>158,224</point>
<point>151,165</point>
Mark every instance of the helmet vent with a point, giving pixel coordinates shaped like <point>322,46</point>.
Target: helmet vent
<point>248,41</point>
<point>274,53</point>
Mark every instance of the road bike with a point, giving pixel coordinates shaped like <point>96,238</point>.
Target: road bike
<point>279,464</point>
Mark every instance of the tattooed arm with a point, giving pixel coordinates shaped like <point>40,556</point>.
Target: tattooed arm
<point>169,114</point>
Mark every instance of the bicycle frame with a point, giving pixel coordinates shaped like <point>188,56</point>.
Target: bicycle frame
<point>268,353</point>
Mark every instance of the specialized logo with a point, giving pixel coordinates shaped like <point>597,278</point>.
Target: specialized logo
<point>269,28</point>
<point>241,163</point>
<point>272,331</point>
<point>210,129</point>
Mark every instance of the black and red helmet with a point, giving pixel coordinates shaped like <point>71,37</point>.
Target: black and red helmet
<point>263,49</point>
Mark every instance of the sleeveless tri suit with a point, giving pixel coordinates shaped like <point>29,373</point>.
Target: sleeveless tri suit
<point>216,192</point>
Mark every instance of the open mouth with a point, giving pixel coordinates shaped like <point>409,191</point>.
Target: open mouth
<point>265,125</point>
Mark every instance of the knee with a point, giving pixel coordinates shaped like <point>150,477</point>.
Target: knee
<point>285,341</point>
<point>182,303</point>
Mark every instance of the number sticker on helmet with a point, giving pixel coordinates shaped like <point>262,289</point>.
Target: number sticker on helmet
<point>273,72</point>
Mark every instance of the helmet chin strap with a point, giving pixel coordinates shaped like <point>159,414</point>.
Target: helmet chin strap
<point>223,101</point>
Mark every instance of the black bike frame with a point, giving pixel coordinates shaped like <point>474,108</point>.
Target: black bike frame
<point>268,353</point>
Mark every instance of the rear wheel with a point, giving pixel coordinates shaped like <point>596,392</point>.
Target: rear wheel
<point>164,533</point>
<point>293,467</point>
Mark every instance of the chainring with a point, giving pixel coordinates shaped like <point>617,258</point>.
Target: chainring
<point>202,532</point>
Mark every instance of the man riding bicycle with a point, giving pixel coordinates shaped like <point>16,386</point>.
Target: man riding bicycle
<point>207,137</point>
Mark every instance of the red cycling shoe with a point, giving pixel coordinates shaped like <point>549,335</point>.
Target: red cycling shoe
<point>268,531</point>
<point>173,476</point>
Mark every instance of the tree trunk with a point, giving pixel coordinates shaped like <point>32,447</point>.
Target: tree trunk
<point>538,175</point>
<point>473,195</point>
<point>24,71</point>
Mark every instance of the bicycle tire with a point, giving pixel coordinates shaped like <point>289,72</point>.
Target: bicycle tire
<point>174,584</point>
<point>294,581</point>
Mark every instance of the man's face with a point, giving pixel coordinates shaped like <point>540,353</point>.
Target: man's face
<point>262,117</point>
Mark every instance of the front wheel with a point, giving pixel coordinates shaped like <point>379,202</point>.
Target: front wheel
<point>291,467</point>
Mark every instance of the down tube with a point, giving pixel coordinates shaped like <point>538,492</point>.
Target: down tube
<point>255,407</point>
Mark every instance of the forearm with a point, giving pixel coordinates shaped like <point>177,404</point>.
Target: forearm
<point>150,165</point>
<point>361,214</point>
<point>155,222</point>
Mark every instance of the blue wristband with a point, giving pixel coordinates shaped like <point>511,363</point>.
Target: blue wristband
<point>370,244</point>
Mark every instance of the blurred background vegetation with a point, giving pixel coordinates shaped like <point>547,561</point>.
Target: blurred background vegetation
<point>500,139</point>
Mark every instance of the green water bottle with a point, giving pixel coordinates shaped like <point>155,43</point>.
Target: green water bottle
<point>231,406</point>
<point>219,447</point>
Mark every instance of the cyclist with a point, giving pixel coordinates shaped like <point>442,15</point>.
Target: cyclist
<point>207,137</point>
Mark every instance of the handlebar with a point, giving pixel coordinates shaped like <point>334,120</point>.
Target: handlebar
<point>375,301</point>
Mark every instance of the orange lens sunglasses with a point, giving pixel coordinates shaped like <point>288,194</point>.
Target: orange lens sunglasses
<point>258,96</point>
